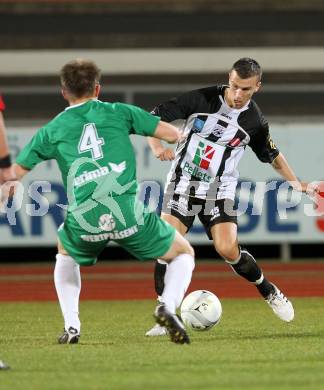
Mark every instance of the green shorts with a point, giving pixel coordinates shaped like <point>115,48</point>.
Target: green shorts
<point>141,233</point>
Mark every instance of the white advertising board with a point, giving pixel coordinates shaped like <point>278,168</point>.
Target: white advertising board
<point>273,216</point>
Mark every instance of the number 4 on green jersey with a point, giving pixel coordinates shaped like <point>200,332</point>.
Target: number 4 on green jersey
<point>91,141</point>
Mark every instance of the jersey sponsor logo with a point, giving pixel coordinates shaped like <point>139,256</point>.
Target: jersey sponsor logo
<point>203,155</point>
<point>196,172</point>
<point>115,235</point>
<point>86,176</point>
<point>107,222</point>
<point>103,194</point>
<point>202,158</point>
<point>119,168</point>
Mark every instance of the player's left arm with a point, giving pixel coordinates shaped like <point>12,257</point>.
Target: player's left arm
<point>281,166</point>
<point>267,152</point>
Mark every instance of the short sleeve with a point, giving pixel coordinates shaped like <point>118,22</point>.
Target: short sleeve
<point>262,144</point>
<point>37,150</point>
<point>180,107</point>
<point>2,104</point>
<point>141,122</point>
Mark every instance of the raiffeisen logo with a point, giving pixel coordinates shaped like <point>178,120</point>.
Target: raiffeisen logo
<point>202,159</point>
<point>203,155</point>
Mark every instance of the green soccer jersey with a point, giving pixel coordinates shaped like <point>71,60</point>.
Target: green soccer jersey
<point>91,144</point>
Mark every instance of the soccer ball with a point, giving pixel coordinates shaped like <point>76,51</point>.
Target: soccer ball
<point>201,310</point>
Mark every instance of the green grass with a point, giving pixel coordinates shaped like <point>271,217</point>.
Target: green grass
<point>249,349</point>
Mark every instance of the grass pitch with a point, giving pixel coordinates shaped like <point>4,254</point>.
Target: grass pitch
<point>249,349</point>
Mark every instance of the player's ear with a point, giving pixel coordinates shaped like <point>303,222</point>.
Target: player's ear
<point>64,94</point>
<point>258,86</point>
<point>97,89</point>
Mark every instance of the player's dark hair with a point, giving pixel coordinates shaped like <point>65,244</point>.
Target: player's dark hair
<point>79,77</point>
<point>246,68</point>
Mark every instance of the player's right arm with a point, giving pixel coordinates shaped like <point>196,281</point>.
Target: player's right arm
<point>167,132</point>
<point>164,131</point>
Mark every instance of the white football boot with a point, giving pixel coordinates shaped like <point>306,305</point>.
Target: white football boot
<point>280,305</point>
<point>157,330</point>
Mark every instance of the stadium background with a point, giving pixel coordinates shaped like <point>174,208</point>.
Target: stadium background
<point>149,51</point>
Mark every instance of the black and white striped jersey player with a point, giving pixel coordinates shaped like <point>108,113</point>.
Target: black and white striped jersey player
<point>219,122</point>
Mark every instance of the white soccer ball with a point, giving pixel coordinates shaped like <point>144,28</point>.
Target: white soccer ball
<point>201,310</point>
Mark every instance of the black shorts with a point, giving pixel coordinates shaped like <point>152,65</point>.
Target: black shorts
<point>210,212</point>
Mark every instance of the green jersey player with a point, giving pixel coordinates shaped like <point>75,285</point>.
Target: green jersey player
<point>90,141</point>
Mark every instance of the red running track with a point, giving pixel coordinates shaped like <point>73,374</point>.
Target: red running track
<point>134,280</point>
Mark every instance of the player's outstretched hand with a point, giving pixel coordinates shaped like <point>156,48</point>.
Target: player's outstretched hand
<point>165,154</point>
<point>310,189</point>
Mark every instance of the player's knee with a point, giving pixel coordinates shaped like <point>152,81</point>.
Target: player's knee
<point>228,250</point>
<point>183,245</point>
<point>179,246</point>
<point>190,251</point>
<point>187,248</point>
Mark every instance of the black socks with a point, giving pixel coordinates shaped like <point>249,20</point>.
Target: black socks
<point>159,272</point>
<point>247,267</point>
